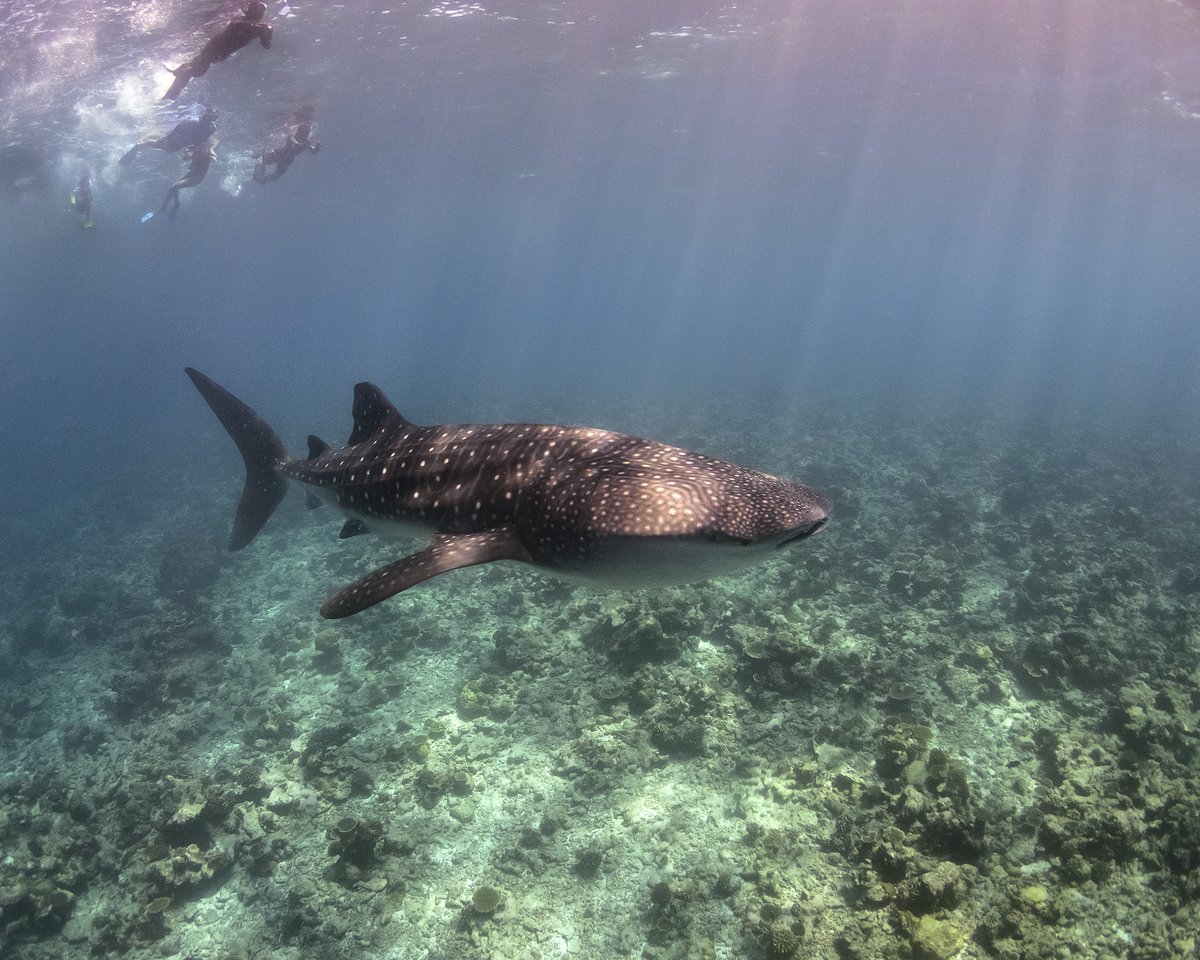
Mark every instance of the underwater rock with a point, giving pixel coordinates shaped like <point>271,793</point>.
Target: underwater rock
<point>188,871</point>
<point>953,826</point>
<point>462,784</point>
<point>261,848</point>
<point>1087,823</point>
<point>899,747</point>
<point>83,597</point>
<point>35,635</point>
<point>1128,518</point>
<point>332,769</point>
<point>936,937</point>
<point>671,903</point>
<point>37,908</point>
<point>1043,593</point>
<point>267,723</point>
<point>188,568</point>
<point>136,693</point>
<point>1187,580</point>
<point>430,785</point>
<point>327,652</point>
<point>486,900</point>
<point>1146,718</point>
<point>782,939</point>
<point>283,798</point>
<point>678,722</point>
<point>677,735</point>
<point>942,886</point>
<point>151,923</point>
<point>354,842</point>
<point>634,635</point>
<point>527,648</point>
<point>891,856</point>
<point>900,693</point>
<point>190,824</point>
<point>489,694</point>
<point>1016,500</point>
<point>588,861</point>
<point>920,577</point>
<point>1177,829</point>
<point>596,762</point>
<point>1091,841</point>
<point>49,851</point>
<point>779,657</point>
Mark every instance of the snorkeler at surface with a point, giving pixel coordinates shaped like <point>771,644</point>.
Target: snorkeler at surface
<point>186,133</point>
<point>297,143</point>
<point>81,200</point>
<point>238,32</point>
<point>201,159</point>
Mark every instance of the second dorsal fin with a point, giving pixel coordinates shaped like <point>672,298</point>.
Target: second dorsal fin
<point>316,447</point>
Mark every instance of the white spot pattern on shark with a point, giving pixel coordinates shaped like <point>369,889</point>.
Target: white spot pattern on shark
<point>586,504</point>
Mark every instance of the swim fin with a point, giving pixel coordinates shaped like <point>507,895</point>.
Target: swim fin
<point>148,216</point>
<point>182,76</point>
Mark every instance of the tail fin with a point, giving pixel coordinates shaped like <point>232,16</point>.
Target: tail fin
<point>261,449</point>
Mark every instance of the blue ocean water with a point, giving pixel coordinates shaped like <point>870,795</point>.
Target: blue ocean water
<point>772,200</point>
<point>931,255</point>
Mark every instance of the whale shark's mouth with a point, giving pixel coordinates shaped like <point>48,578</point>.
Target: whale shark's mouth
<point>805,532</point>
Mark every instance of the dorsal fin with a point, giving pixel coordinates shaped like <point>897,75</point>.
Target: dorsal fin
<point>316,447</point>
<point>372,411</point>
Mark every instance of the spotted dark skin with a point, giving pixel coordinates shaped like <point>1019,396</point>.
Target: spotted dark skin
<point>589,505</point>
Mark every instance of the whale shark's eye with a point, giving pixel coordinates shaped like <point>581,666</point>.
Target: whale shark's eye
<point>745,543</point>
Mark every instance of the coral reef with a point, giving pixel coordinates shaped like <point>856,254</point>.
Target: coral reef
<point>963,722</point>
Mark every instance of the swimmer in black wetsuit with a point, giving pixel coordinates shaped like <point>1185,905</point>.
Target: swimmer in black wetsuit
<point>296,144</point>
<point>237,33</point>
<point>186,133</point>
<point>81,199</point>
<point>201,159</point>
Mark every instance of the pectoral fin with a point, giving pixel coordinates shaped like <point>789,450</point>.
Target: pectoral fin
<point>444,552</point>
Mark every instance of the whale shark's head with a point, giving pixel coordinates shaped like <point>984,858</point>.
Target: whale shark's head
<point>759,516</point>
<point>758,513</point>
<point>711,519</point>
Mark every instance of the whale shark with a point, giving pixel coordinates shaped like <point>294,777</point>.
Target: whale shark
<point>583,504</point>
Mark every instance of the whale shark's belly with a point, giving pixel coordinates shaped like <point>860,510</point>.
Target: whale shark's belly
<point>631,562</point>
